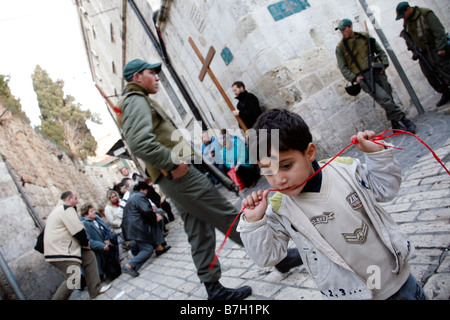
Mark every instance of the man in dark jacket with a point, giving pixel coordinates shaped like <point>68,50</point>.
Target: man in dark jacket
<point>248,106</point>
<point>140,223</point>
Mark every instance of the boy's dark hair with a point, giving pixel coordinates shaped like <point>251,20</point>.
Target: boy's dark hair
<point>292,129</point>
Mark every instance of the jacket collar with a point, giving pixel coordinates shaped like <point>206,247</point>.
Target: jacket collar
<point>315,183</point>
<point>134,86</point>
<point>68,207</point>
<point>242,95</point>
<point>415,14</point>
<point>85,218</point>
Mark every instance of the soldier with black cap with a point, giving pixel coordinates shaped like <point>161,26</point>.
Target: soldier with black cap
<point>352,54</point>
<point>428,35</point>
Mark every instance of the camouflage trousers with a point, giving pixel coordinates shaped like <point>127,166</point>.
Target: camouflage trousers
<point>203,209</point>
<point>383,94</point>
<point>444,64</point>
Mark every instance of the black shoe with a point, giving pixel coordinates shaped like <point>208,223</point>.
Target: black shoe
<point>410,126</point>
<point>292,260</point>
<point>444,99</point>
<point>130,271</point>
<point>396,125</point>
<point>216,291</point>
<point>160,252</point>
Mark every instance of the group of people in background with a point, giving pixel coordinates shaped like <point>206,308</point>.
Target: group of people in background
<point>90,243</point>
<point>230,153</point>
<point>139,213</point>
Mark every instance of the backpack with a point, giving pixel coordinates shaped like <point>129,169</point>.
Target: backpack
<point>39,247</point>
<point>111,267</point>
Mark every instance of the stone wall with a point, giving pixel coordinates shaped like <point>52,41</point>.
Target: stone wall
<point>43,177</point>
<point>289,63</point>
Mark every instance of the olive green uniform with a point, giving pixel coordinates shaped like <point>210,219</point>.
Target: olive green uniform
<point>428,34</point>
<point>148,135</point>
<point>360,49</point>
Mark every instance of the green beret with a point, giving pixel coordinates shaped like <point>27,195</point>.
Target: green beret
<point>139,65</point>
<point>401,9</point>
<point>344,23</point>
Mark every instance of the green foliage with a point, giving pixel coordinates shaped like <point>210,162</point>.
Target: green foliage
<point>8,100</point>
<point>61,119</point>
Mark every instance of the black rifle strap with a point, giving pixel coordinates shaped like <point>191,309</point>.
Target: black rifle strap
<point>356,62</point>
<point>424,35</point>
<point>352,55</point>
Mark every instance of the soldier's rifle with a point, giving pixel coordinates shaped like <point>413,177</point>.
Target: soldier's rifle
<point>418,54</point>
<point>372,62</point>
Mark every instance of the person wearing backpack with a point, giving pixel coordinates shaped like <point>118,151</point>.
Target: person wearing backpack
<point>66,247</point>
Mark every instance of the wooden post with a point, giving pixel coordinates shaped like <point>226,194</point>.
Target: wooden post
<point>119,116</point>
<point>205,68</point>
<point>110,104</point>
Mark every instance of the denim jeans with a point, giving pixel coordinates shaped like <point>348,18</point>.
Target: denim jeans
<point>411,290</point>
<point>145,252</point>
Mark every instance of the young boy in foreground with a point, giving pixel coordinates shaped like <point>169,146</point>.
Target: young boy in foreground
<point>350,246</point>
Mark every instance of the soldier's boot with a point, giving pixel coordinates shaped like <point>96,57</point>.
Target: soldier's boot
<point>410,126</point>
<point>216,291</point>
<point>444,99</point>
<point>397,125</point>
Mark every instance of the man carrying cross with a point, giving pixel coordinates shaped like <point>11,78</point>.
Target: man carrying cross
<point>248,106</point>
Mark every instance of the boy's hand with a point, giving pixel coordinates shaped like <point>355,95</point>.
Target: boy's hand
<point>255,205</point>
<point>364,142</point>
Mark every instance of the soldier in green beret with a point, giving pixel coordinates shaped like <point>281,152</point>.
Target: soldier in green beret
<point>352,54</point>
<point>428,34</point>
<point>148,131</point>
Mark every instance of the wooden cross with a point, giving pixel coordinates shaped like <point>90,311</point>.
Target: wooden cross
<point>206,64</point>
<point>206,69</point>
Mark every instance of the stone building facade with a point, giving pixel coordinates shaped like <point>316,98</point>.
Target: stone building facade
<point>284,51</point>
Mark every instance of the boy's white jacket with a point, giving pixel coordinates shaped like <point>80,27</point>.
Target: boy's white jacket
<point>266,241</point>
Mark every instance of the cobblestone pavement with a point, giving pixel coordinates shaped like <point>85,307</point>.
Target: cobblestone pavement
<point>422,209</point>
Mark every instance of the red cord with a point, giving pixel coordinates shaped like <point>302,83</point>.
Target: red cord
<point>354,141</point>
<point>397,132</point>
<point>116,110</point>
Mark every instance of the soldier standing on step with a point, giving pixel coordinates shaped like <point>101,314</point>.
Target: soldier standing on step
<point>429,36</point>
<point>352,56</point>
